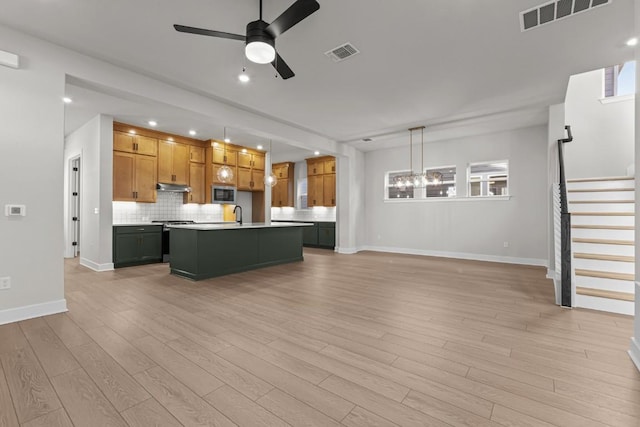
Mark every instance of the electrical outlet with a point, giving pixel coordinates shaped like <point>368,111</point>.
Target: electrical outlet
<point>506,244</point>
<point>5,283</point>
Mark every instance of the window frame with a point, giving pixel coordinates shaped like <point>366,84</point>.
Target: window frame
<point>490,176</point>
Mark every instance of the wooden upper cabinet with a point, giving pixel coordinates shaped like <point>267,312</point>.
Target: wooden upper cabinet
<point>137,144</point>
<point>244,179</point>
<point>281,170</point>
<point>315,167</point>
<point>329,166</point>
<point>196,182</point>
<point>220,157</point>
<point>315,190</point>
<point>258,161</point>
<point>214,176</point>
<point>196,154</point>
<point>134,178</point>
<point>329,189</point>
<point>173,163</point>
<point>247,159</point>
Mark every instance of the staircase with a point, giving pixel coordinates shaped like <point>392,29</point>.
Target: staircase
<point>603,247</point>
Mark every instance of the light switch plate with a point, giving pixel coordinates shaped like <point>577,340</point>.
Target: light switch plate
<point>15,210</point>
<point>5,283</point>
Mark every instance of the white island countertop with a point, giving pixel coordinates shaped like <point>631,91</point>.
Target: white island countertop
<point>236,226</point>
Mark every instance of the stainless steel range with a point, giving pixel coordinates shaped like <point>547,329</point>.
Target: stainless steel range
<point>166,234</point>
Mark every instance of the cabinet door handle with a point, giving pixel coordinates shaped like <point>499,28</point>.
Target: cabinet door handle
<point>333,202</point>
<point>190,156</point>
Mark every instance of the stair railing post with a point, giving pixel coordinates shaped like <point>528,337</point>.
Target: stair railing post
<point>565,228</point>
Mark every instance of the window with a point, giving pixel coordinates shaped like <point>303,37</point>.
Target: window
<point>441,182</point>
<point>396,190</point>
<point>488,179</point>
<point>620,80</point>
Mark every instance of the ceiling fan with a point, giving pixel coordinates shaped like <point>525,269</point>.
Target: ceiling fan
<point>261,36</point>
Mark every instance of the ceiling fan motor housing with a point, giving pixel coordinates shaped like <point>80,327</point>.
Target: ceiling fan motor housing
<point>256,32</point>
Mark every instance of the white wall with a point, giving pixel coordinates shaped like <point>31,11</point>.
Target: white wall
<point>93,142</point>
<point>465,228</point>
<point>31,150</point>
<point>634,350</point>
<point>603,133</point>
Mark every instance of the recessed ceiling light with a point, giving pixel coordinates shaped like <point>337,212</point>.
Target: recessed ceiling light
<point>67,100</point>
<point>244,77</point>
<point>170,139</point>
<point>259,147</point>
<point>153,123</point>
<point>317,153</point>
<point>227,140</point>
<point>192,132</point>
<point>132,132</point>
<point>215,144</point>
<point>244,150</point>
<point>632,42</point>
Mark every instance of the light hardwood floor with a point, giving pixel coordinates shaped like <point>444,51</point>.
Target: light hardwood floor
<point>354,340</point>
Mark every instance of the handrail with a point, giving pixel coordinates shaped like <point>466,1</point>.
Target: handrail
<point>565,226</point>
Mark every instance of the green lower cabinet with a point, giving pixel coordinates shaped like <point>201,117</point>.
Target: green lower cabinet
<point>327,235</point>
<point>310,235</point>
<point>136,245</point>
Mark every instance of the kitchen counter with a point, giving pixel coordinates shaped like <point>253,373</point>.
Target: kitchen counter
<point>234,225</point>
<point>202,251</point>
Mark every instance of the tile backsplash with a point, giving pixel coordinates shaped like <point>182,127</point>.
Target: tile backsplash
<point>318,213</point>
<point>168,206</point>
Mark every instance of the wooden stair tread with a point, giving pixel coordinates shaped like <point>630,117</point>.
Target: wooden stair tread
<point>598,190</point>
<point>603,241</point>
<point>603,213</point>
<point>608,178</point>
<point>599,201</point>
<point>605,274</point>
<point>603,257</point>
<point>624,296</point>
<point>604,227</point>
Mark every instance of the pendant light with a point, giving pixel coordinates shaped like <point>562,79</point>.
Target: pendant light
<point>270,180</point>
<point>225,173</point>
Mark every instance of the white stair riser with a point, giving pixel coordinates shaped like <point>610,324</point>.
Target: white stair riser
<point>602,265</point>
<point>596,248</point>
<point>605,284</point>
<point>605,304</point>
<point>627,183</point>
<point>601,195</point>
<point>600,233</point>
<point>602,220</point>
<point>601,207</point>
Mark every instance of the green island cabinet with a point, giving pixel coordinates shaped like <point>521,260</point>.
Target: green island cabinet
<point>136,245</point>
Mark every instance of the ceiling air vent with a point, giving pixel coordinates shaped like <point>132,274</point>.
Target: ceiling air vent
<point>556,10</point>
<point>342,52</point>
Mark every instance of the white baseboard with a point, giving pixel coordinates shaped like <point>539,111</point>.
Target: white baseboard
<point>458,255</point>
<point>347,251</point>
<point>95,266</point>
<point>634,352</point>
<point>30,311</point>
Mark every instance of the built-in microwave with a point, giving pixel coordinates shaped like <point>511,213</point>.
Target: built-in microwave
<point>223,194</point>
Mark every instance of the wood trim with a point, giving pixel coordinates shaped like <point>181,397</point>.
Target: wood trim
<point>601,202</point>
<point>123,127</point>
<point>602,213</point>
<point>609,178</point>
<point>605,274</point>
<point>605,227</point>
<point>599,190</point>
<point>603,257</point>
<point>234,147</point>
<point>604,241</point>
<point>623,296</point>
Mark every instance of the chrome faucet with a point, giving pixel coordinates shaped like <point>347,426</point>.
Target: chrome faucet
<point>239,221</point>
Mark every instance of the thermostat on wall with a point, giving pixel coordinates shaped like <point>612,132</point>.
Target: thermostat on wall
<point>15,210</point>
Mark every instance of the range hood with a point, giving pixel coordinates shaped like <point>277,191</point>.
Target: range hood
<point>173,188</point>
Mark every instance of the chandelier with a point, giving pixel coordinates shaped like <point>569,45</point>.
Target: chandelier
<point>422,178</point>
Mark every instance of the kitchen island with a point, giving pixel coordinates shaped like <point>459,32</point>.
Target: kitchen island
<point>202,251</point>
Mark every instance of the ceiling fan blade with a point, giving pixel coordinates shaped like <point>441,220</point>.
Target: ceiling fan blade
<point>282,68</point>
<point>290,17</point>
<point>204,32</point>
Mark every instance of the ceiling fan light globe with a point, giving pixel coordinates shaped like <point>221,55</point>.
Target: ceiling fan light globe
<point>260,52</point>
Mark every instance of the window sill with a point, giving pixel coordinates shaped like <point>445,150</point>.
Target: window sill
<point>450,199</point>
<point>614,99</point>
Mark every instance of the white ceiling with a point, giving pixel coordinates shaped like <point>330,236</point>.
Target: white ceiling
<point>438,63</point>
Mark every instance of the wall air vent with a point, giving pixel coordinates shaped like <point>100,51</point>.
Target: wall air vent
<point>556,10</point>
<point>342,52</point>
